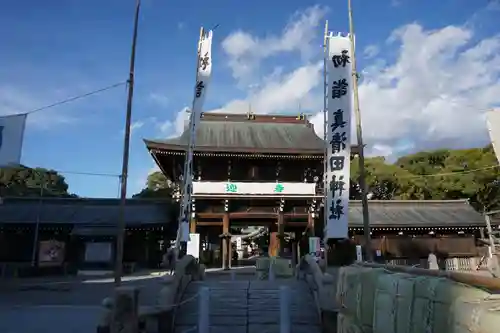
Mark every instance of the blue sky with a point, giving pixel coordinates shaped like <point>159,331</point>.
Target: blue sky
<point>53,50</point>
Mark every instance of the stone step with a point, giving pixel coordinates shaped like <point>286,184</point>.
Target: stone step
<point>213,329</point>
<point>274,317</point>
<point>190,320</point>
<point>276,329</point>
<point>249,306</point>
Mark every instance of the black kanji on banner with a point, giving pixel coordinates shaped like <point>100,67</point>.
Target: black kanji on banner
<point>339,88</point>
<point>338,120</point>
<point>341,59</point>
<point>204,61</point>
<point>336,210</point>
<point>337,163</point>
<point>338,142</point>
<point>337,185</point>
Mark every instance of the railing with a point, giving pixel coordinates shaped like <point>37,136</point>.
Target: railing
<point>203,322</point>
<point>122,314</point>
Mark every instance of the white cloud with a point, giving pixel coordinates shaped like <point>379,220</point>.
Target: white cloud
<point>371,51</point>
<point>135,126</point>
<point>284,93</point>
<point>14,100</point>
<point>245,51</point>
<point>160,99</point>
<point>433,95</point>
<point>174,128</point>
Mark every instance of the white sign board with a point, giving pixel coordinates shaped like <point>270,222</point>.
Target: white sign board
<point>359,253</point>
<point>314,245</point>
<point>278,189</point>
<point>193,245</point>
<point>339,109</point>
<point>98,252</point>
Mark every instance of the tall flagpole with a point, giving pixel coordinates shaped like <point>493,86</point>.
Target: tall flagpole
<point>325,128</point>
<point>188,163</point>
<point>359,134</point>
<point>126,151</point>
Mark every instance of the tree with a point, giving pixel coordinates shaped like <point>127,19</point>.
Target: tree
<point>22,181</point>
<point>441,174</point>
<point>157,186</point>
<point>386,181</point>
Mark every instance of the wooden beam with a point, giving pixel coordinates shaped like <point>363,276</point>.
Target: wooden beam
<point>209,223</point>
<point>210,215</point>
<point>245,215</point>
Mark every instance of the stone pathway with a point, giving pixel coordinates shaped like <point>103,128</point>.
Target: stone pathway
<point>249,307</point>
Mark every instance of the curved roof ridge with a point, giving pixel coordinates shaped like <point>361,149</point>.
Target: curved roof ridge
<point>271,134</point>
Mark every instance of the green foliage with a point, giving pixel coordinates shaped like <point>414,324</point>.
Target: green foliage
<point>439,175</point>
<point>21,181</point>
<point>157,186</point>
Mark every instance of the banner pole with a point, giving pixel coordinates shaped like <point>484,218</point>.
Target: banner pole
<point>126,152</point>
<point>325,153</point>
<point>359,134</point>
<point>187,167</point>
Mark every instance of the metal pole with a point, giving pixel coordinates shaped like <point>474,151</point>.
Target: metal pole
<point>126,151</point>
<point>37,223</point>
<point>187,168</point>
<point>285,325</point>
<point>325,157</point>
<point>359,134</point>
<point>204,310</point>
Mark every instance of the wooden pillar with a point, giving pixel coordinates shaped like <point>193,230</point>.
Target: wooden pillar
<point>295,257</point>
<point>273,243</point>
<point>310,224</point>
<point>281,231</point>
<point>192,226</point>
<point>225,249</point>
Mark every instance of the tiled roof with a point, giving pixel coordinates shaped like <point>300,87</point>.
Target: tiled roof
<point>236,133</point>
<point>418,213</point>
<point>84,211</point>
<point>105,212</point>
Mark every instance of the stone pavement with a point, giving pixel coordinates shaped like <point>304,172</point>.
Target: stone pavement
<point>63,306</point>
<point>249,307</point>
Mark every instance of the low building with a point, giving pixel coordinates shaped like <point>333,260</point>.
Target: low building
<point>81,233</point>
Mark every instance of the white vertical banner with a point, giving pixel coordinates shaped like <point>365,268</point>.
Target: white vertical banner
<point>338,145</point>
<point>203,74</point>
<point>11,138</point>
<point>493,123</point>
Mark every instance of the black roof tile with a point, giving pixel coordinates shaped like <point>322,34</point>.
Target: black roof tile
<point>84,211</point>
<point>416,213</point>
<point>236,134</point>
